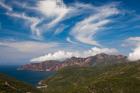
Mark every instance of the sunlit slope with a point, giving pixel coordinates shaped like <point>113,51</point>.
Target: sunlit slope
<point>11,85</point>
<point>118,78</point>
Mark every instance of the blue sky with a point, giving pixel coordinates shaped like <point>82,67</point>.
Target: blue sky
<point>38,30</point>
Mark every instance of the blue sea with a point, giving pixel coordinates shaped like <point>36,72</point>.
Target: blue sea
<point>31,77</point>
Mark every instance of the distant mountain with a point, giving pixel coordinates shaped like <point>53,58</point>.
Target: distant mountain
<point>101,73</point>
<point>115,78</point>
<point>54,65</point>
<point>11,85</point>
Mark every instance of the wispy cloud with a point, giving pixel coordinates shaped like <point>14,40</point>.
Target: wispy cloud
<point>60,29</point>
<point>85,30</point>
<point>84,23</point>
<point>7,7</point>
<point>70,41</point>
<point>136,39</point>
<point>28,46</point>
<point>20,52</point>
<point>24,5</point>
<point>32,21</point>
<point>132,41</point>
<point>55,9</point>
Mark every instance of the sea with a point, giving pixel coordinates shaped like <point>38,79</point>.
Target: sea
<point>31,77</point>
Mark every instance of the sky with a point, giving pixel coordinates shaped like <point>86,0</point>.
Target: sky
<point>39,30</point>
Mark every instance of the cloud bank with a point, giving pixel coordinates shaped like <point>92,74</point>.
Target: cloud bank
<point>135,54</point>
<point>61,55</point>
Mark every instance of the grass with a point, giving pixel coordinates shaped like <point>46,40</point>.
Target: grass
<point>118,78</point>
<point>11,85</point>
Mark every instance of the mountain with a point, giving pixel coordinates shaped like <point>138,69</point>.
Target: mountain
<point>50,65</point>
<point>115,78</point>
<point>54,65</point>
<point>11,85</point>
<point>101,73</point>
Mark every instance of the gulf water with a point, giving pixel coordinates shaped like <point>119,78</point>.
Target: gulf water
<point>31,77</point>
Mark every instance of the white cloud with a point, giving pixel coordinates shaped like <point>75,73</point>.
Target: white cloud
<point>61,55</point>
<point>55,9</point>
<point>134,39</point>
<point>7,7</point>
<point>33,21</point>
<point>131,42</point>
<point>135,42</point>
<point>84,30</point>
<point>70,41</point>
<point>52,9</point>
<point>135,54</point>
<point>60,29</point>
<point>28,46</point>
<point>24,5</point>
<point>17,52</point>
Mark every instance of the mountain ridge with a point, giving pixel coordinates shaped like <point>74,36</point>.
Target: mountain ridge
<point>54,65</point>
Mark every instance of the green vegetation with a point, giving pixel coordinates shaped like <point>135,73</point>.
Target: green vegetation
<point>11,85</point>
<point>117,78</point>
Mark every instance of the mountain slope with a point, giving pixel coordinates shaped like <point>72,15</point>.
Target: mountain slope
<point>54,65</point>
<point>11,85</point>
<point>118,78</point>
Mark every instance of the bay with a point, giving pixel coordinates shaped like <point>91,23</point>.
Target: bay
<point>31,77</point>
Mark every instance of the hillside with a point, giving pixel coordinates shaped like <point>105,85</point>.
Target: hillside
<point>54,65</point>
<point>117,78</point>
<point>11,85</point>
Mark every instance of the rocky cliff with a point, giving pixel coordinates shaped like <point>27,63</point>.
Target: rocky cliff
<point>54,65</point>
